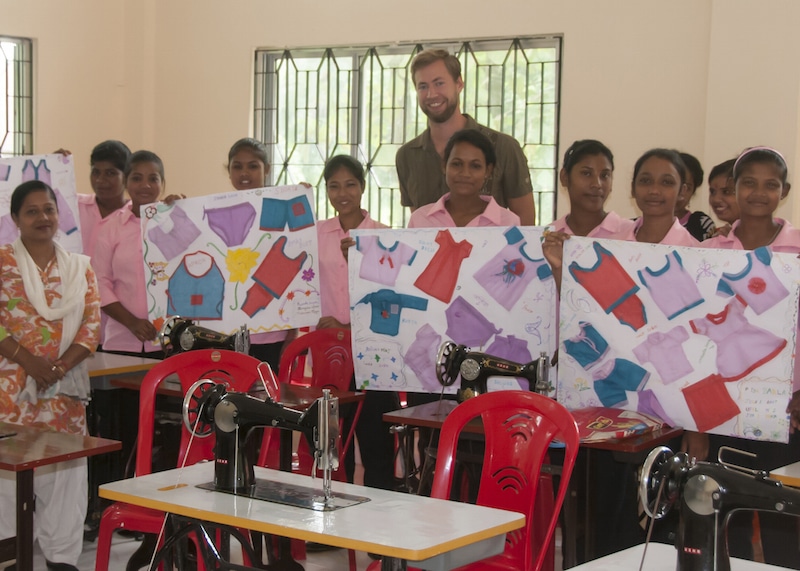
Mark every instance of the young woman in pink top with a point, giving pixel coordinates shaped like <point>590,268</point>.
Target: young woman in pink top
<point>588,175</point>
<point>344,183</point>
<point>760,180</point>
<point>469,160</point>
<point>659,176</point>
<point>248,167</point>
<point>722,196</point>
<point>117,260</point>
<point>108,162</point>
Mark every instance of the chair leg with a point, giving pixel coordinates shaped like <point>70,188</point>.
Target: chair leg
<point>104,534</point>
<point>426,473</point>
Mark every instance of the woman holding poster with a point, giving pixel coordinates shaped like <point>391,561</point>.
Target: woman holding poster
<point>344,184</point>
<point>760,179</point>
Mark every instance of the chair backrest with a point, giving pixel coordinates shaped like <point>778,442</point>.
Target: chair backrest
<point>331,367</point>
<point>331,358</point>
<point>237,371</point>
<point>519,427</point>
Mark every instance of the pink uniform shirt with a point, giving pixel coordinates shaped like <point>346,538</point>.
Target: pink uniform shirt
<point>612,225</point>
<point>90,217</point>
<point>119,265</point>
<point>677,235</point>
<point>436,215</point>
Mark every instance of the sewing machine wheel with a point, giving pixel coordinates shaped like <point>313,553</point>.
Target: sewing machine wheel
<point>650,481</point>
<point>166,331</point>
<point>444,366</point>
<point>192,404</point>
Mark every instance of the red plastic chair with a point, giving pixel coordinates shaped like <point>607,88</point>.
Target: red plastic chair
<point>519,427</point>
<point>331,368</point>
<point>237,371</point>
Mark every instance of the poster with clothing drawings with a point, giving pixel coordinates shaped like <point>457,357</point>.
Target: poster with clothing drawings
<point>413,289</point>
<point>58,172</point>
<point>235,258</point>
<point>702,338</point>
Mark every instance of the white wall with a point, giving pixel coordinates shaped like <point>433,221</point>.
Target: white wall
<point>706,76</point>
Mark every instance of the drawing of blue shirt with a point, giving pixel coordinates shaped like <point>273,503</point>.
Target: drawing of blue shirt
<point>588,347</point>
<point>197,288</point>
<point>386,308</point>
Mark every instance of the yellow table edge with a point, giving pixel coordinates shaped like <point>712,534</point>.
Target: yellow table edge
<point>789,475</point>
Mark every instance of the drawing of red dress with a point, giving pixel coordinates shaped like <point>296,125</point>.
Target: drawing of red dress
<point>439,278</point>
<point>611,286</point>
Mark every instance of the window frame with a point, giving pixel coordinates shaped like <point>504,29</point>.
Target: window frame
<point>16,136</point>
<point>270,117</point>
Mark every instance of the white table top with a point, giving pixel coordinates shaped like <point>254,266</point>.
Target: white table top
<point>660,557</point>
<point>101,364</point>
<point>393,524</point>
<point>789,475</point>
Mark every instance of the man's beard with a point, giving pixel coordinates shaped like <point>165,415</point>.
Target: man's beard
<point>450,109</point>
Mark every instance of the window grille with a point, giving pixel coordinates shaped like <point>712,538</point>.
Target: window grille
<point>311,104</point>
<point>16,107</point>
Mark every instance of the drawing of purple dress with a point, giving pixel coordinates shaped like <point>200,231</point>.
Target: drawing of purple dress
<point>741,346</point>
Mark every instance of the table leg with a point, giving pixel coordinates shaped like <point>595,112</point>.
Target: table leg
<point>25,501</point>
<point>588,528</point>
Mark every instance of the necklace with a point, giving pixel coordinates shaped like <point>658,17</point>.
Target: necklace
<point>775,235</point>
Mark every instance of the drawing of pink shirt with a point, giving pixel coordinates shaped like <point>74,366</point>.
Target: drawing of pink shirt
<point>381,264</point>
<point>672,288</point>
<point>176,239</point>
<point>665,352</point>
<point>741,346</point>
<point>506,276</point>
<point>756,283</point>
<point>439,278</point>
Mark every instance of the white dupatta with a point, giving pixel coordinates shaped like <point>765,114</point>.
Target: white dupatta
<point>69,309</point>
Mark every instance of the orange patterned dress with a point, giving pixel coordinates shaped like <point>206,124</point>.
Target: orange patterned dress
<point>19,319</point>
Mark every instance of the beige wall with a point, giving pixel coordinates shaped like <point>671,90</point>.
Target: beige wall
<point>709,77</point>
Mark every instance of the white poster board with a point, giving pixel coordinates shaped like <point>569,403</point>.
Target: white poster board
<point>58,172</point>
<point>234,258</point>
<point>704,339</point>
<point>411,290</point>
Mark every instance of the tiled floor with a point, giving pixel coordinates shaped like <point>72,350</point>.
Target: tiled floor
<point>123,548</point>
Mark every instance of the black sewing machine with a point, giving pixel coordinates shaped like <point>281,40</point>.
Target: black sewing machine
<point>178,335</point>
<point>233,415</point>
<point>707,493</point>
<point>475,368</point>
